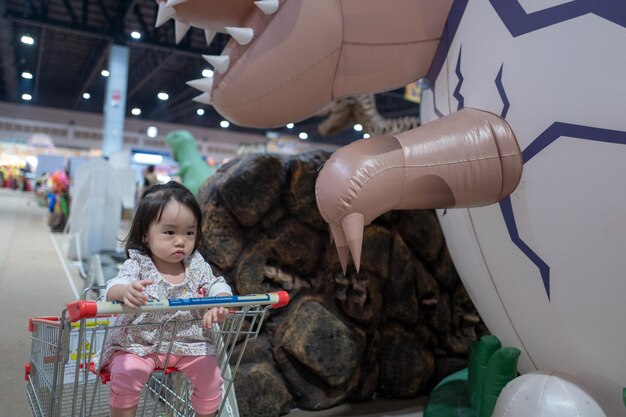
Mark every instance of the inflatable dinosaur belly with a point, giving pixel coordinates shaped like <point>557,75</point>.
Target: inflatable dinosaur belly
<point>546,267</point>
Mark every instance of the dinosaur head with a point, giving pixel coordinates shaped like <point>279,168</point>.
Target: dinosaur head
<point>178,140</point>
<point>289,59</point>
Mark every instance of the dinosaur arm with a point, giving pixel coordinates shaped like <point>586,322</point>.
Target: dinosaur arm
<point>467,159</point>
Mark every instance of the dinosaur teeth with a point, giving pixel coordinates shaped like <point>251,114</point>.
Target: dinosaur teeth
<point>181,30</point>
<point>209,35</point>
<point>267,6</point>
<point>204,98</point>
<point>243,36</point>
<point>203,84</point>
<point>164,14</point>
<point>171,3</point>
<point>219,62</point>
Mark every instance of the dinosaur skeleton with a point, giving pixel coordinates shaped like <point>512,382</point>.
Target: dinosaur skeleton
<point>345,112</point>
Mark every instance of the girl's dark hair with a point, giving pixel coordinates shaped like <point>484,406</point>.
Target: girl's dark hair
<point>150,208</point>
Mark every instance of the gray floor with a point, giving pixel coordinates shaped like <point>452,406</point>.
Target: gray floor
<point>37,279</point>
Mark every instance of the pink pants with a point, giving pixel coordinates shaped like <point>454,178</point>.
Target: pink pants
<point>129,374</point>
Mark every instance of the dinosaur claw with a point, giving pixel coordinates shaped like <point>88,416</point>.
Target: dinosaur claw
<point>344,253</point>
<point>343,250</point>
<point>352,226</point>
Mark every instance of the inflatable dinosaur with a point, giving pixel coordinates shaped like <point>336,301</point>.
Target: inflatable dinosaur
<point>192,168</point>
<point>521,149</point>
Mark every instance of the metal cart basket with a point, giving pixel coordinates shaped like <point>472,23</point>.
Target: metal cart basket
<point>61,379</point>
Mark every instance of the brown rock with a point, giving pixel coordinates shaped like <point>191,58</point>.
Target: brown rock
<point>299,192</point>
<point>376,250</point>
<point>223,237</point>
<point>369,369</point>
<point>252,187</point>
<point>250,268</point>
<point>318,354</point>
<point>261,391</point>
<point>422,233</point>
<point>342,338</point>
<point>444,270</point>
<point>296,246</point>
<point>406,367</point>
<point>400,292</point>
<point>360,296</point>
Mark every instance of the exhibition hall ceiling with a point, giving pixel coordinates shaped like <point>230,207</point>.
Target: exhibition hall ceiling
<point>70,49</point>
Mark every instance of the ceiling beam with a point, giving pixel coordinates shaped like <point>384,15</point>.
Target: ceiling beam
<point>106,34</point>
<point>40,49</point>
<point>155,69</point>
<point>142,22</point>
<point>182,93</point>
<point>78,29</point>
<point>129,9</point>
<point>102,55</point>
<point>184,108</point>
<point>7,54</point>
<point>105,12</point>
<point>70,11</point>
<point>84,18</point>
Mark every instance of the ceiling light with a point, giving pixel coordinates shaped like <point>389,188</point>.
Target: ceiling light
<point>224,124</point>
<point>27,75</point>
<point>152,131</point>
<point>104,73</point>
<point>200,112</point>
<point>86,96</point>
<point>303,136</point>
<point>366,135</point>
<point>358,127</point>
<point>290,126</point>
<point>136,111</point>
<point>163,96</point>
<point>27,97</point>
<point>135,35</point>
<point>207,73</point>
<point>27,40</point>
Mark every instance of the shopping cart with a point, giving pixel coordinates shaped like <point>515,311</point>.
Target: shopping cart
<point>61,379</point>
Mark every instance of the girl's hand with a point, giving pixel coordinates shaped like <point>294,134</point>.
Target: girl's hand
<point>214,315</point>
<point>134,295</point>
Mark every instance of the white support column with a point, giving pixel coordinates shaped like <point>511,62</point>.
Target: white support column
<point>115,100</point>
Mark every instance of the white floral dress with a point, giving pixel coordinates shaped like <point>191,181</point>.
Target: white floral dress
<point>140,337</point>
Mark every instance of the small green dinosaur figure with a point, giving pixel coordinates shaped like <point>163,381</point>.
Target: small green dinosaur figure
<point>192,168</point>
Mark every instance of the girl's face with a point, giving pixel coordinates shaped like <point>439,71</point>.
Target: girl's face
<point>173,238</point>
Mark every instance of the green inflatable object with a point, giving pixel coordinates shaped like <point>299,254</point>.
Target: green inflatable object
<point>192,168</point>
<point>479,355</point>
<point>450,397</point>
<point>501,368</point>
<point>473,392</point>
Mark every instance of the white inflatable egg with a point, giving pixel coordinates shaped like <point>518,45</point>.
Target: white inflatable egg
<point>546,267</point>
<point>546,395</point>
